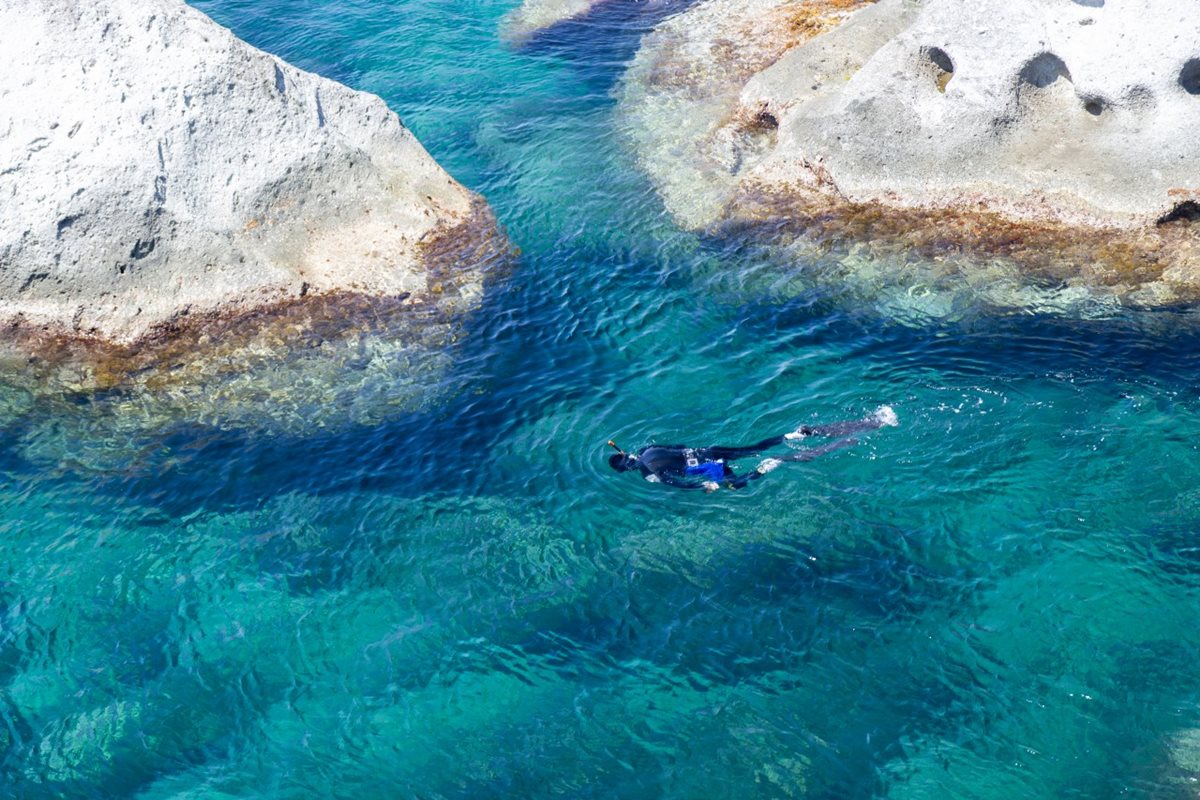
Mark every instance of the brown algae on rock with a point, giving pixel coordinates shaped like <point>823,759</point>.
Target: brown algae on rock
<point>1143,268</point>
<point>806,20</point>
<point>312,361</point>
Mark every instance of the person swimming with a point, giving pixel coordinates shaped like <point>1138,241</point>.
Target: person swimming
<point>708,468</point>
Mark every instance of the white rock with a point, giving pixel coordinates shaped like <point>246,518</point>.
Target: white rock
<point>1049,112</point>
<point>1084,103</point>
<point>152,164</point>
<point>680,100</point>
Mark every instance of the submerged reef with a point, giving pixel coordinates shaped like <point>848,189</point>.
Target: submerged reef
<point>535,16</point>
<point>1055,137</point>
<point>181,206</point>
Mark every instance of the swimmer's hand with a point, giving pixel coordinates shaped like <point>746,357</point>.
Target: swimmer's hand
<point>711,486</point>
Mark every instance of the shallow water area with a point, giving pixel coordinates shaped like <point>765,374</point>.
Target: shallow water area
<point>456,598</point>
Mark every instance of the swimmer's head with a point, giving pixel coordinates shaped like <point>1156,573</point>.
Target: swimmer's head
<point>622,462</point>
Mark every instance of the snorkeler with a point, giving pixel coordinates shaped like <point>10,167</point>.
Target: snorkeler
<point>707,468</point>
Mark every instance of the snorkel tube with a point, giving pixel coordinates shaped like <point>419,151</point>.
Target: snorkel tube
<point>613,445</point>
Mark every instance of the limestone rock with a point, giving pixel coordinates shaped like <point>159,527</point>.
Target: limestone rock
<point>1058,134</point>
<point>152,165</point>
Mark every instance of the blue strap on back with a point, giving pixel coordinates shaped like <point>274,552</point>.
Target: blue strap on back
<point>710,471</point>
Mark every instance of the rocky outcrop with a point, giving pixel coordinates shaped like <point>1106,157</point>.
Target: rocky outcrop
<point>1054,134</point>
<point>155,169</point>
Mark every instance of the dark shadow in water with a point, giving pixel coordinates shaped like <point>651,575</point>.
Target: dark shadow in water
<point>514,364</point>
<point>771,611</point>
<point>1133,345</point>
<point>601,42</point>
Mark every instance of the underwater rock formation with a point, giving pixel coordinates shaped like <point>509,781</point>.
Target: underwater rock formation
<point>1056,135</point>
<point>534,16</point>
<point>155,169</point>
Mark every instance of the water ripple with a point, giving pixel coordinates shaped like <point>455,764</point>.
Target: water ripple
<point>458,598</point>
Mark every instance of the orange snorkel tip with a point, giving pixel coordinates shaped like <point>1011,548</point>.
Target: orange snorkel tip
<point>613,445</point>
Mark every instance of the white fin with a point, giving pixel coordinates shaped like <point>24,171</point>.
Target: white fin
<point>886,417</point>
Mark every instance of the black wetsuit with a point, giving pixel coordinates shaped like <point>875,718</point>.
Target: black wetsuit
<point>693,468</point>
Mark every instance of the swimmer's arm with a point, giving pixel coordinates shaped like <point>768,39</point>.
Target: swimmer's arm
<point>740,481</point>
<point>814,452</point>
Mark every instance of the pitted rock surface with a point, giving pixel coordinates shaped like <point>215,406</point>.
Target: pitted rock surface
<point>1072,118</point>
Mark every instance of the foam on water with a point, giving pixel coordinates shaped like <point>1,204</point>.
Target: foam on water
<point>458,598</point>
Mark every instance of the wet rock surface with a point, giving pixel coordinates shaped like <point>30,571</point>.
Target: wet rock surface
<point>320,362</point>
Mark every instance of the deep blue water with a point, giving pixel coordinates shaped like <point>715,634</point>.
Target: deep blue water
<point>996,599</point>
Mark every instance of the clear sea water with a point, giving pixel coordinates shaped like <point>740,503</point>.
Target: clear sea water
<point>998,599</point>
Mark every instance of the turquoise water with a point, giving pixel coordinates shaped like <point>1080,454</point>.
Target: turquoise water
<point>996,599</point>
